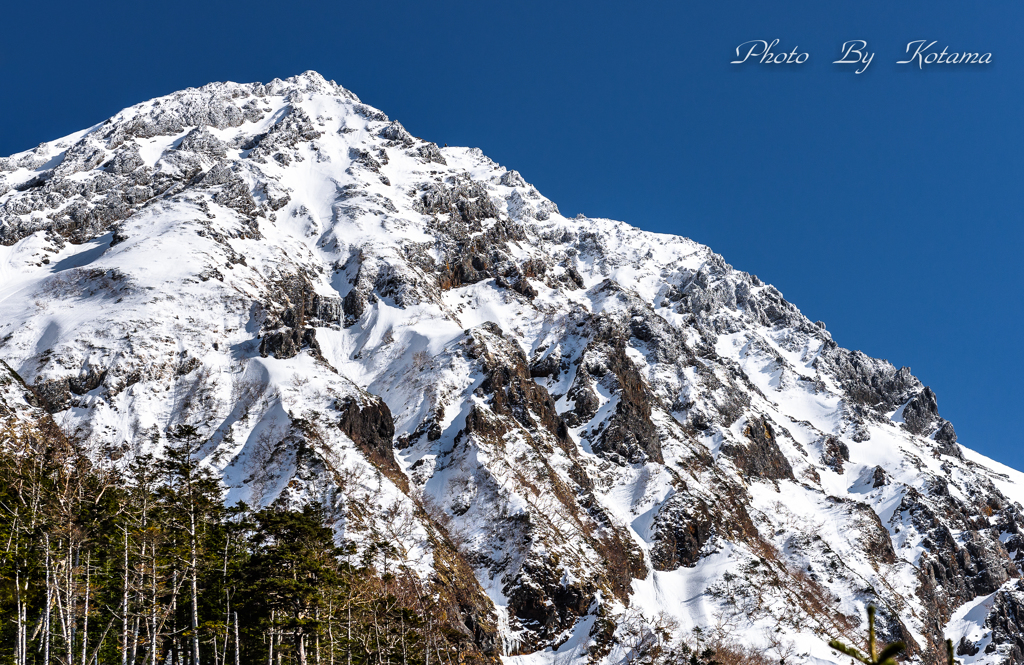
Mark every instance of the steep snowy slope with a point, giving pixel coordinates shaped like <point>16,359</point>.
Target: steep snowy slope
<point>610,428</point>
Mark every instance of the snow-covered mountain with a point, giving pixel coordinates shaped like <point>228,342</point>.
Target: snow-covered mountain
<point>610,428</point>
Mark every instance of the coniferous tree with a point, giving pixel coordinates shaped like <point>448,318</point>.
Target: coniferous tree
<point>293,561</point>
<point>192,500</point>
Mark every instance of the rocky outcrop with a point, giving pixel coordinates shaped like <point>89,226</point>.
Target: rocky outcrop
<point>368,422</point>
<point>541,598</point>
<point>280,141</point>
<point>867,381</point>
<point>1006,621</point>
<point>544,603</point>
<point>686,523</point>
<point>291,315</point>
<point>834,453</point>
<point>101,179</point>
<point>202,142</point>
<point>760,457</point>
<point>874,537</point>
<point>512,179</point>
<point>921,413</point>
<point>631,434</point>
<point>57,394</point>
<point>429,152</point>
<point>458,198</point>
<point>952,573</point>
<point>511,389</point>
<point>945,437</point>
<point>288,343</point>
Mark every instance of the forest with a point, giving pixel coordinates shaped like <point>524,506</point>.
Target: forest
<point>147,565</point>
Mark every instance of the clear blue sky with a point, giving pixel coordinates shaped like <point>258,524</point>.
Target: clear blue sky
<point>886,204</point>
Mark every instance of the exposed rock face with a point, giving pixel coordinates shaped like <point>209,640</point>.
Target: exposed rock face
<point>946,438</point>
<point>836,452</point>
<point>296,306</point>
<point>81,208</point>
<point>630,435</point>
<point>686,523</point>
<point>552,418</point>
<point>1006,621</point>
<point>921,412</point>
<point>514,407</point>
<point>876,540</point>
<point>288,342</point>
<point>461,199</point>
<point>761,456</point>
<point>202,142</point>
<point>513,392</point>
<point>58,394</point>
<point>868,381</point>
<point>367,421</point>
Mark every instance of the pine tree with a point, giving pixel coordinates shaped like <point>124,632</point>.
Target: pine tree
<point>192,500</point>
<point>293,560</point>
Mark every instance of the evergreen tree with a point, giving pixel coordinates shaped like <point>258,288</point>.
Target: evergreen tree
<point>192,500</point>
<point>293,560</point>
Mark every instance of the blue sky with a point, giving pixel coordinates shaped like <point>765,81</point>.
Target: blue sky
<point>886,204</point>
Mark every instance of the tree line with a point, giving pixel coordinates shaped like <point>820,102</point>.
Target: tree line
<point>147,565</point>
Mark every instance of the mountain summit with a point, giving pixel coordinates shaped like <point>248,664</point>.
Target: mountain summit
<point>575,431</point>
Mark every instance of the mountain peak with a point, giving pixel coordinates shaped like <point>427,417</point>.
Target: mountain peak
<point>597,425</point>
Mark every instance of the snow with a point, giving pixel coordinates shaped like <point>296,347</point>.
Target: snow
<point>1009,481</point>
<point>968,621</point>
